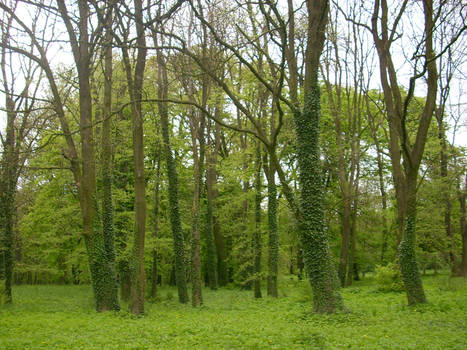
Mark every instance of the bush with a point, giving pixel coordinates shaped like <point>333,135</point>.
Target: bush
<point>388,278</point>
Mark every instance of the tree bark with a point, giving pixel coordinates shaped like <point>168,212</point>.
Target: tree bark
<point>107,206</point>
<point>257,245</point>
<point>175,219</point>
<point>463,229</point>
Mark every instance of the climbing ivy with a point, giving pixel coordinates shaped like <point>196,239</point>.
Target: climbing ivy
<point>273,247</point>
<point>314,240</point>
<point>407,259</point>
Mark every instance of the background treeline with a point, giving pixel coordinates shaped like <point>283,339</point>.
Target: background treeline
<point>167,151</point>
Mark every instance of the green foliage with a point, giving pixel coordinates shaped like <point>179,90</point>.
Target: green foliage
<point>62,317</point>
<point>388,278</point>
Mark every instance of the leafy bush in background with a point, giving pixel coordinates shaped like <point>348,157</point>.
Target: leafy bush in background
<point>388,278</point>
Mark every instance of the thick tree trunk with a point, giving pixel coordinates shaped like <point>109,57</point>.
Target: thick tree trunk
<point>7,197</point>
<point>316,252</point>
<point>102,270</point>
<point>107,207</point>
<point>407,260</point>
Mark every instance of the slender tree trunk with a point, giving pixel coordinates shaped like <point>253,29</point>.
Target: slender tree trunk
<point>351,273</point>
<point>257,233</point>
<point>175,219</point>
<point>463,229</point>
<point>273,244</point>
<point>445,188</point>
<point>198,160</point>
<point>346,228</point>
<point>218,237</point>
<point>154,271</point>
<point>210,241</point>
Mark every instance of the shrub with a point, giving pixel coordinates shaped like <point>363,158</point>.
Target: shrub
<point>388,278</point>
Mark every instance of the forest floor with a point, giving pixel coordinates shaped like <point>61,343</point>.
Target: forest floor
<point>62,317</point>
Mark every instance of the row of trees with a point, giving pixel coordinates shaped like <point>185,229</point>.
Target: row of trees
<point>221,97</point>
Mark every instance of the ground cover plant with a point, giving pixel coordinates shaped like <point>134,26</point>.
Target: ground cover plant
<point>63,317</point>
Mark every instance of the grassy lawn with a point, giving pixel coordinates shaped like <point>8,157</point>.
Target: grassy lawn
<point>62,317</point>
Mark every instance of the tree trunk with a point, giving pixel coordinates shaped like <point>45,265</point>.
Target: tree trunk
<point>197,131</point>
<point>154,271</point>
<point>463,230</point>
<point>407,259</point>
<point>107,207</point>
<point>209,231</point>
<point>175,219</point>
<point>8,183</point>
<point>257,233</point>
<point>445,189</point>
<point>273,244</point>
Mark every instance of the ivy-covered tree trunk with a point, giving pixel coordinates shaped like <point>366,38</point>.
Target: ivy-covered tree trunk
<point>198,161</point>
<point>135,89</point>
<point>175,219</point>
<point>209,229</point>
<point>316,253</point>
<point>407,260</point>
<point>257,244</point>
<point>154,271</point>
<point>102,270</point>
<point>107,207</point>
<point>8,183</point>
<point>273,244</point>
<point>463,228</point>
<point>218,237</point>
<point>314,240</point>
<point>352,273</point>
<point>345,244</point>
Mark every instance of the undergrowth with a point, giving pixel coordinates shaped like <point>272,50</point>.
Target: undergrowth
<point>63,317</point>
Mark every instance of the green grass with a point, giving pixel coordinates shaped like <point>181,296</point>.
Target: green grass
<point>62,317</point>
